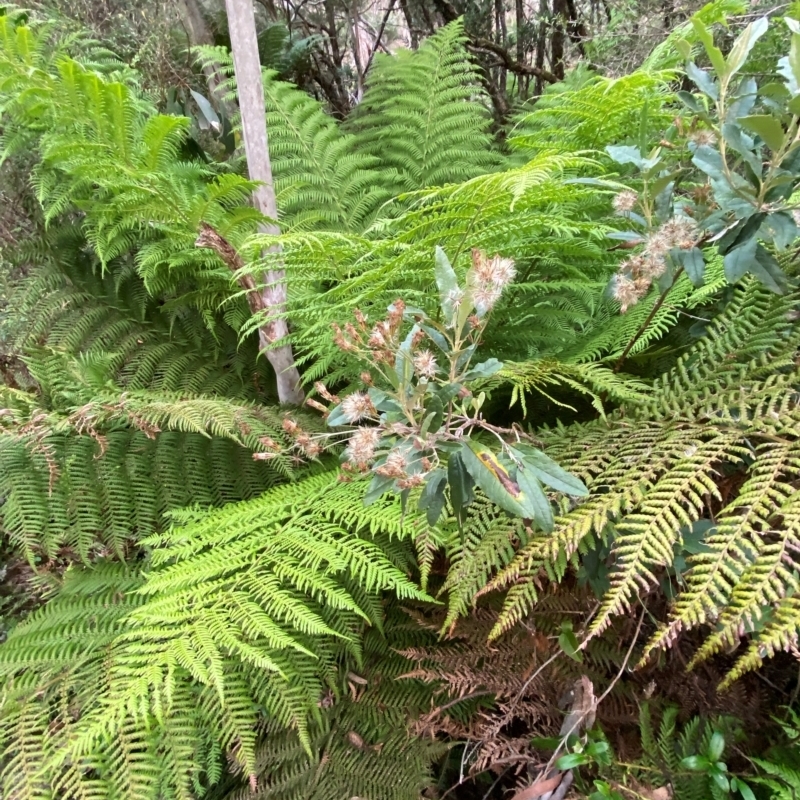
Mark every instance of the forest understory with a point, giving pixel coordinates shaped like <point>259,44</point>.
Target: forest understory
<point>399,400</point>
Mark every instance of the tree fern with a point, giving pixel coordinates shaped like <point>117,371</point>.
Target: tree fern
<point>242,616</point>
<point>726,404</point>
<point>419,116</point>
<point>323,179</point>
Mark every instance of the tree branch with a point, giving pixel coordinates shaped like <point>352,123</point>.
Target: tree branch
<point>508,62</point>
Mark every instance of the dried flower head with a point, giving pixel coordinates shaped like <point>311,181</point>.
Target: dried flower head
<point>625,292</point>
<point>657,245</point>
<point>291,427</point>
<point>702,137</point>
<point>342,342</point>
<point>322,390</point>
<point>653,268</point>
<point>394,466</point>
<point>496,270</point>
<point>361,446</point>
<point>455,297</point>
<point>642,285</point>
<point>679,232</point>
<point>357,406</point>
<point>485,297</point>
<point>632,266</point>
<point>503,271</point>
<point>425,364</point>
<point>307,446</point>
<point>380,336</point>
<point>625,201</point>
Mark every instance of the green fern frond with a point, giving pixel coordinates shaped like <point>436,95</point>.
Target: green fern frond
<point>425,116</point>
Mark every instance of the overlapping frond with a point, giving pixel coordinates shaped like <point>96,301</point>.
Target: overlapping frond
<point>241,617</point>
<point>424,115</point>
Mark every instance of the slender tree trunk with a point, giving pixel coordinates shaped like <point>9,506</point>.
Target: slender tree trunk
<point>541,45</point>
<point>412,31</point>
<point>198,33</point>
<point>557,39</point>
<point>520,13</point>
<point>244,43</point>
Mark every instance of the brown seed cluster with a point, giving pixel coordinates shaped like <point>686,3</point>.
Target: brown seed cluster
<point>636,274</point>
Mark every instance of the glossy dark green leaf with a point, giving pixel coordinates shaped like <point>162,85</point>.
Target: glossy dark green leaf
<point>432,498</point>
<point>739,261</point>
<point>694,264</point>
<point>435,416</point>
<point>461,486</point>
<point>549,472</point>
<point>493,477</point>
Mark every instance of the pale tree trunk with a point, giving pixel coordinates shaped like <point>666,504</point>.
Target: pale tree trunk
<point>244,43</point>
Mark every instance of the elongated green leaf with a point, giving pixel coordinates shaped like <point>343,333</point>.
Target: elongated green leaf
<point>533,500</point>
<point>447,282</point>
<point>461,485</point>
<point>495,480</point>
<point>767,127</point>
<point>714,53</point>
<point>432,498</point>
<point>768,271</point>
<point>744,44</point>
<point>484,370</point>
<point>739,261</point>
<point>703,81</point>
<point>693,263</point>
<point>549,472</point>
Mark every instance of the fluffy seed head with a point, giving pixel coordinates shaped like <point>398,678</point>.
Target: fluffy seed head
<point>653,268</point>
<point>678,231</point>
<point>702,137</point>
<point>625,292</point>
<point>657,245</point>
<point>625,201</point>
<point>496,270</point>
<point>362,444</point>
<point>357,406</point>
<point>503,271</point>
<point>486,296</point>
<point>425,364</point>
<point>394,467</point>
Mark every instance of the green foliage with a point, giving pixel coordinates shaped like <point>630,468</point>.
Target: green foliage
<point>590,113</point>
<point>249,635</point>
<point>686,758</point>
<point>242,615</point>
<point>424,115</point>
